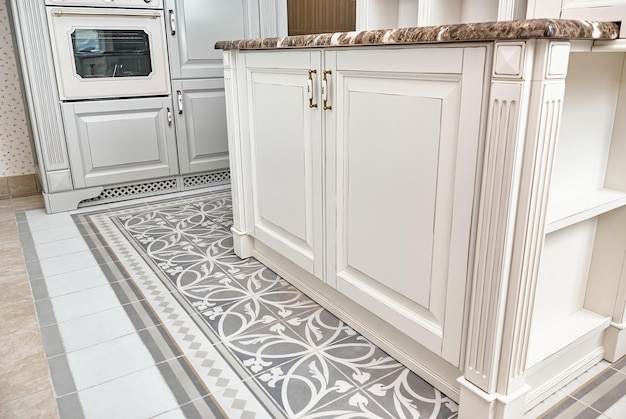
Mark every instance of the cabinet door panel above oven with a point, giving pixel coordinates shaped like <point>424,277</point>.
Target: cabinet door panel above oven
<point>193,27</point>
<point>118,141</point>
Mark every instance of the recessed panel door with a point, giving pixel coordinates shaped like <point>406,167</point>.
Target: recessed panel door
<point>286,153</point>
<point>120,140</point>
<point>200,111</point>
<point>193,27</point>
<point>405,147</point>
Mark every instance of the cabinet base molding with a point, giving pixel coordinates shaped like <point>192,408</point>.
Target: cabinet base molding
<point>242,243</point>
<point>71,200</point>
<point>420,360</point>
<point>615,342</point>
<point>67,201</point>
<point>558,370</point>
<point>475,403</point>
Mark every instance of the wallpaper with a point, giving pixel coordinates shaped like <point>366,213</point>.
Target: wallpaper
<point>16,157</point>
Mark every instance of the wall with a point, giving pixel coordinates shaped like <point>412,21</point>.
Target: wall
<point>16,155</point>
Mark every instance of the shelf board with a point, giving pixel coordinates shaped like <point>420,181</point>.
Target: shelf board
<point>562,333</point>
<point>571,211</point>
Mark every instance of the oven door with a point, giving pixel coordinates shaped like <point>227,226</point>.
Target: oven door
<point>109,53</point>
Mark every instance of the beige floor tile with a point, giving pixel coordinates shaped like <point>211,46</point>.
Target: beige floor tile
<point>29,202</point>
<point>16,302</point>
<point>8,231</point>
<point>7,215</point>
<point>7,282</point>
<point>11,253</point>
<point>17,270</point>
<point>20,345</point>
<point>21,319</point>
<point>16,294</point>
<point>28,377</point>
<point>40,405</point>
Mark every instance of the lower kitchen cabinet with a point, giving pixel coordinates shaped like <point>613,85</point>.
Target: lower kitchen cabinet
<point>285,149</point>
<point>201,125</point>
<point>362,171</point>
<point>117,141</point>
<point>401,171</point>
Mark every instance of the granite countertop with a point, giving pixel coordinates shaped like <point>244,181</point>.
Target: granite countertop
<point>487,31</point>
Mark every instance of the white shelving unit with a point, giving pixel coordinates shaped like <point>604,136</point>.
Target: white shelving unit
<point>574,210</point>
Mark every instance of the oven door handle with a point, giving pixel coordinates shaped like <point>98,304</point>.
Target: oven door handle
<point>60,13</point>
<point>172,22</point>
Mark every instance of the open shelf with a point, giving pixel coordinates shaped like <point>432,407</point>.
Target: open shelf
<point>563,333</point>
<point>571,211</point>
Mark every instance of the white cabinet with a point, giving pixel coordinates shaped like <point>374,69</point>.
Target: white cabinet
<point>117,141</point>
<point>401,173</point>
<point>374,180</point>
<point>285,146</point>
<point>201,125</point>
<point>193,28</point>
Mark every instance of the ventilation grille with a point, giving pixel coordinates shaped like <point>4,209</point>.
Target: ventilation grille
<point>198,181</point>
<point>137,190</point>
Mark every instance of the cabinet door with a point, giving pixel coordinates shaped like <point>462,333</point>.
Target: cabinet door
<point>405,143</point>
<point>193,27</point>
<point>117,141</point>
<point>286,155</point>
<point>201,125</point>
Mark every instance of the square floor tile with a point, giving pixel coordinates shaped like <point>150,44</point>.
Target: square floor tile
<point>55,234</point>
<point>82,303</point>
<point>142,394</point>
<point>61,247</point>
<point>108,360</point>
<point>39,220</point>
<point>67,263</point>
<point>95,328</point>
<point>74,281</point>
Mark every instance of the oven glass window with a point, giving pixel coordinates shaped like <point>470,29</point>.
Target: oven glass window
<point>102,53</point>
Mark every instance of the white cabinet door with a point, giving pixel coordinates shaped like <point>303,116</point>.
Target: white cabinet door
<point>286,155</point>
<point>117,141</point>
<point>201,125</point>
<point>193,27</point>
<point>405,145</point>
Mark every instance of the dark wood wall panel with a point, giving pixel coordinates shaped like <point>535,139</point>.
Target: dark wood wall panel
<point>320,16</point>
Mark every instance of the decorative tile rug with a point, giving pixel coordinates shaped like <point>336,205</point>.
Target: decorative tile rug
<point>252,345</point>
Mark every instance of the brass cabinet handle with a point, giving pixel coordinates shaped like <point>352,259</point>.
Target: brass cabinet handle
<point>327,107</point>
<point>310,89</point>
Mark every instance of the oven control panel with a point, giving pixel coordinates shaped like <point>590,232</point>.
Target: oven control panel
<point>130,4</point>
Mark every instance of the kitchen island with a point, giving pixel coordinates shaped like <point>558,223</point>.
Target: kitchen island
<point>442,191</point>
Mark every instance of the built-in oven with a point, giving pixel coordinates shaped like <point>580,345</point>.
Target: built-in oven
<point>108,48</point>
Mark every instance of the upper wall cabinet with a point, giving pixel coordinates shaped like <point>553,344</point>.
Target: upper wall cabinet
<point>193,27</point>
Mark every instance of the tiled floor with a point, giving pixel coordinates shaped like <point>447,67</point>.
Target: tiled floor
<point>193,317</point>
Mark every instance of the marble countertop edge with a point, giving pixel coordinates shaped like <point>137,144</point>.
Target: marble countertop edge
<point>483,31</point>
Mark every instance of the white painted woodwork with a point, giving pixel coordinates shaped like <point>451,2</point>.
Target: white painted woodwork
<point>62,23</point>
<point>285,147</point>
<point>563,272</point>
<point>200,125</point>
<point>584,142</point>
<point>120,140</point>
<point>193,27</point>
<point>40,88</point>
<point>580,208</point>
<point>401,117</point>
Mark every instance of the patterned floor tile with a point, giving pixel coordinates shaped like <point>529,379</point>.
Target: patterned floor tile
<point>259,346</point>
<point>308,384</point>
